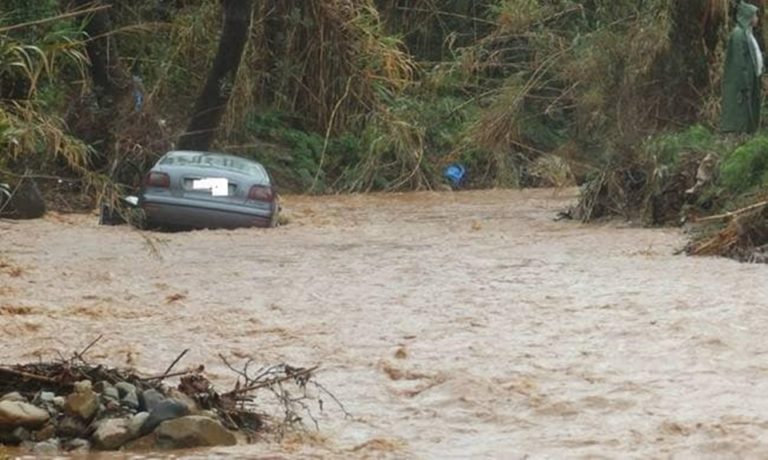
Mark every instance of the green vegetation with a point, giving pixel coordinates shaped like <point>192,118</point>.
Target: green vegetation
<point>746,168</point>
<point>360,95</point>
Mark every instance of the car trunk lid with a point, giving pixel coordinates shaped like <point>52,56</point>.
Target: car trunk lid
<point>212,188</point>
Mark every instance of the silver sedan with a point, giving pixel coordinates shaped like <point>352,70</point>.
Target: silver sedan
<point>187,189</point>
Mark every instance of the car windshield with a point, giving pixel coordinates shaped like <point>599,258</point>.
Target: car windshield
<point>203,160</point>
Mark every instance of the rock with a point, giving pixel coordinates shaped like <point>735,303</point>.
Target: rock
<point>21,434</point>
<point>143,443</point>
<point>27,446</point>
<point>50,447</point>
<point>108,392</point>
<point>77,445</point>
<point>14,396</point>
<point>45,397</point>
<point>173,393</point>
<point>45,433</point>
<point>209,414</point>
<point>125,388</point>
<point>60,402</point>
<point>44,400</point>
<point>83,386</point>
<point>111,434</point>
<point>16,413</point>
<point>27,201</point>
<point>128,395</point>
<point>100,385</point>
<point>110,406</point>
<point>193,431</point>
<point>71,427</point>
<point>150,399</point>
<point>131,400</point>
<point>136,422</point>
<point>166,410</point>
<point>15,437</point>
<point>83,402</point>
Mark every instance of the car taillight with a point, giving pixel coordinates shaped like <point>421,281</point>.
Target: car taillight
<point>261,193</point>
<point>157,179</point>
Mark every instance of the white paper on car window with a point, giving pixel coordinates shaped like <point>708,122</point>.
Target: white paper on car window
<point>218,186</point>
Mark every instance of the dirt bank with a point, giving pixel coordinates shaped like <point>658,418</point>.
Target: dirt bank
<point>451,325</point>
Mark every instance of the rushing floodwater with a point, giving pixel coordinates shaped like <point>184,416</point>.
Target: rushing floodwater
<point>466,325</point>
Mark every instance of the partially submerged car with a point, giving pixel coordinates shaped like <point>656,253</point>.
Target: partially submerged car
<point>188,189</point>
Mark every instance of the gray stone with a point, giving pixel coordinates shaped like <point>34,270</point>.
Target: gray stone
<point>44,400</point>
<point>71,427</point>
<point>111,434</point>
<point>193,431</point>
<point>14,438</point>
<point>50,447</point>
<point>150,399</point>
<point>27,446</point>
<point>124,388</point>
<point>77,445</point>
<point>131,401</point>
<point>99,386</point>
<point>136,422</point>
<point>45,397</point>
<point>110,406</point>
<point>59,402</point>
<point>16,413</point>
<point>183,398</point>
<point>209,414</point>
<point>14,396</point>
<point>83,402</point>
<point>45,433</point>
<point>21,434</point>
<point>143,443</point>
<point>83,386</point>
<point>128,395</point>
<point>166,410</point>
<point>110,393</point>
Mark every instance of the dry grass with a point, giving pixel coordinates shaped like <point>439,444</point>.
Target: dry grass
<point>552,171</point>
<point>745,238</point>
<point>396,149</point>
<point>332,62</point>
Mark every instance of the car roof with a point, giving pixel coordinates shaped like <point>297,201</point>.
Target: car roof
<point>193,158</point>
<point>198,153</point>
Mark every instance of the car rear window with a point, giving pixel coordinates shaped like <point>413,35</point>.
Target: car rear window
<point>217,161</point>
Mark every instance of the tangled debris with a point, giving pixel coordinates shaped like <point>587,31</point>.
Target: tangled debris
<point>653,193</point>
<point>74,406</point>
<point>744,237</point>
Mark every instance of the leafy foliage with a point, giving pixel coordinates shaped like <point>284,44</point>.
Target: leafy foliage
<point>358,95</point>
<point>746,168</point>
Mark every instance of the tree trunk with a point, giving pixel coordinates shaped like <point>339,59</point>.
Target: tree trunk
<point>102,54</point>
<point>212,103</point>
<point>106,77</point>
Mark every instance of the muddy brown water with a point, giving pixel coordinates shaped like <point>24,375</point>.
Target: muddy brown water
<point>452,325</point>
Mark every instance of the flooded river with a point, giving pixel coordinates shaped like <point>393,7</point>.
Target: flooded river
<point>464,325</point>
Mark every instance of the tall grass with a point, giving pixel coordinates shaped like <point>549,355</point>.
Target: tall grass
<point>31,132</point>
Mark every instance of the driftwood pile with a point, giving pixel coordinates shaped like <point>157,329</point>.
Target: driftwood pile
<point>740,235</point>
<point>74,406</point>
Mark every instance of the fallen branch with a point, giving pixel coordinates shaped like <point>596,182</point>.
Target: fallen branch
<point>175,361</point>
<point>174,374</point>
<point>732,214</point>
<point>290,376</point>
<point>29,375</point>
<point>85,350</point>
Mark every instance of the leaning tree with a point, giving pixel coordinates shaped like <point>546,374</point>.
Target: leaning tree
<point>212,102</point>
